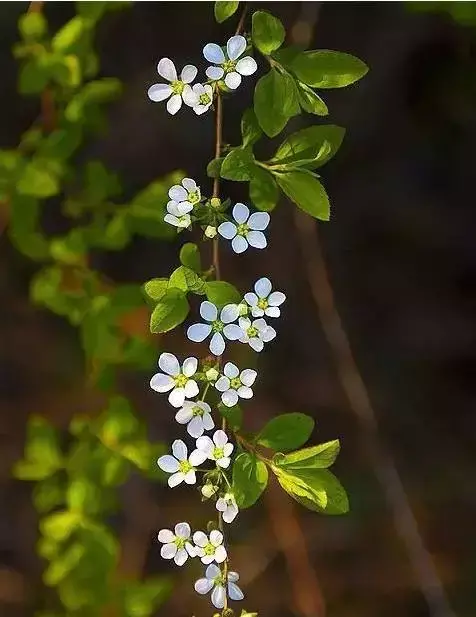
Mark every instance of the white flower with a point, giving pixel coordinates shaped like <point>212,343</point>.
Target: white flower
<point>230,66</point>
<point>223,326</point>
<point>218,450</point>
<point>185,196</point>
<point>256,334</point>
<point>196,416</point>
<point>214,579</point>
<point>179,381</point>
<point>233,384</point>
<point>177,88</point>
<point>180,465</point>
<point>209,549</point>
<point>176,217</point>
<point>263,302</point>
<point>199,98</point>
<point>227,506</point>
<point>249,229</point>
<point>176,545</point>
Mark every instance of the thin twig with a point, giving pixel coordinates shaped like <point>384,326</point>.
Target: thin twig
<point>241,23</point>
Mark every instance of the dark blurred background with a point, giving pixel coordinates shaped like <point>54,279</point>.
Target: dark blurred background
<point>401,257</point>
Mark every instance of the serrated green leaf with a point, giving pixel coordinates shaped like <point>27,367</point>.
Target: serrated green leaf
<point>264,191</point>
<point>221,293</point>
<point>318,457</point>
<point>310,101</point>
<point>187,280</point>
<point>190,257</point>
<point>267,32</point>
<point>214,167</point>
<point>311,147</point>
<point>250,477</point>
<point>250,128</point>
<point>156,288</point>
<point>275,101</point>
<point>286,432</point>
<point>238,164</point>
<point>32,25</point>
<point>170,311</point>
<point>324,68</point>
<point>224,9</point>
<point>306,192</point>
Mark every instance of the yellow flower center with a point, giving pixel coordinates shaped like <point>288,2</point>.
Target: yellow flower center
<point>252,332</point>
<point>177,86</point>
<point>263,303</point>
<point>217,326</point>
<point>218,453</point>
<point>204,99</point>
<point>197,411</point>
<point>242,229</point>
<point>180,380</point>
<point>235,383</point>
<point>185,466</point>
<point>229,66</point>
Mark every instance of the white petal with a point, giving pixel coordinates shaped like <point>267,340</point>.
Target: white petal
<point>257,312</point>
<point>189,366</point>
<point>191,388</point>
<point>218,597</point>
<point>182,207</point>
<point>208,423</point>
<point>248,377</point>
<point>228,449</point>
<point>268,334</point>
<point>229,398</point>
<point>184,415</point>
<point>246,66</point>
<point>208,90</point>
<point>189,184</point>
<point>257,239</point>
<point>251,299</point>
<point>244,323</point>
<point>245,392</point>
<point>232,332</point>
<point>174,104</point>
<point>256,344</point>
<point>235,46</point>
<point>178,193</point>
<point>233,577</point>
<point>241,213</point>
<point>189,72</point>
<point>169,364</point>
<point>205,444</point>
<point>208,311</point>
<point>182,530</point>
<point>176,479</point>
<point>173,208</point>
<point>199,332</point>
<point>220,554</point>
<point>222,384</point>
<point>212,571</point>
<point>231,370</point>
<point>203,585</point>
<point>229,313</point>
<point>168,551</point>
<point>177,397</point>
<point>159,92</point>
<point>179,450</point>
<point>213,53</point>
<point>217,344</point>
<point>203,406</point>
<point>276,298</point>
<point>262,286</point>
<point>173,220</point>
<point>200,538</point>
<point>214,73</point>
<point>201,109</point>
<point>220,505</point>
<point>190,477</point>
<point>220,438</point>
<point>272,311</point>
<point>195,429</point>
<point>239,244</point>
<point>199,89</point>
<point>181,557</point>
<point>216,537</point>
<point>230,513</point>
<point>190,97</point>
<point>161,382</point>
<point>227,230</point>
<point>190,549</point>
<point>260,324</point>
<point>233,80</point>
<point>168,463</point>
<point>235,592</point>
<point>166,69</point>
<point>259,221</point>
<point>223,462</point>
<point>197,457</point>
<point>165,536</point>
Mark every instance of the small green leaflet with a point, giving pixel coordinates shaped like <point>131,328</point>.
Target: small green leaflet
<point>221,293</point>
<point>310,147</point>
<point>156,288</point>
<point>223,10</point>
<point>310,101</point>
<point>267,32</point>
<point>250,477</point>
<point>318,457</point>
<point>286,432</point>
<point>170,312</point>
<point>305,190</point>
<point>190,257</point>
<point>187,280</point>
<point>275,101</point>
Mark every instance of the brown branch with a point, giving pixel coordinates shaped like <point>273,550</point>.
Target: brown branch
<point>241,23</point>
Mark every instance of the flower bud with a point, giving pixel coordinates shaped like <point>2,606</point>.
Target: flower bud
<point>243,309</point>
<point>208,490</point>
<point>212,374</point>
<point>215,202</point>
<point>211,232</point>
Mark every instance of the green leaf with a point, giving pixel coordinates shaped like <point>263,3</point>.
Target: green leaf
<point>250,128</point>
<point>60,567</point>
<point>48,494</point>
<point>32,25</point>
<point>156,288</point>
<point>264,191</point>
<point>60,525</point>
<point>92,10</point>
<point>223,10</point>
<point>318,457</point>
<point>61,143</point>
<point>69,35</point>
<point>82,495</point>
<point>114,471</point>
<point>71,249</point>
<point>310,147</point>
<point>190,257</point>
<point>275,101</point>
<point>310,101</point>
<point>33,77</point>
<point>324,68</point>
<point>306,192</point>
<point>40,178</point>
<point>250,477</point>
<point>221,293</point>
<point>170,312</point>
<point>238,164</point>
<point>24,224</point>
<point>214,167</point>
<point>118,422</point>
<point>42,452</point>
<point>286,432</point>
<point>142,598</point>
<point>187,280</point>
<point>233,415</point>
<point>267,32</point>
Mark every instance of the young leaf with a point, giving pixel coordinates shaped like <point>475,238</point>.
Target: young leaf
<point>318,457</point>
<point>267,32</point>
<point>310,101</point>
<point>187,280</point>
<point>69,35</point>
<point>306,192</point>
<point>250,477</point>
<point>221,293</point>
<point>59,525</point>
<point>190,257</point>
<point>223,10</point>
<point>238,164</point>
<point>32,25</point>
<point>156,288</point>
<point>314,144</point>
<point>264,191</point>
<point>324,68</point>
<point>275,101</point>
<point>286,432</point>
<point>170,312</point>
<point>250,129</point>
